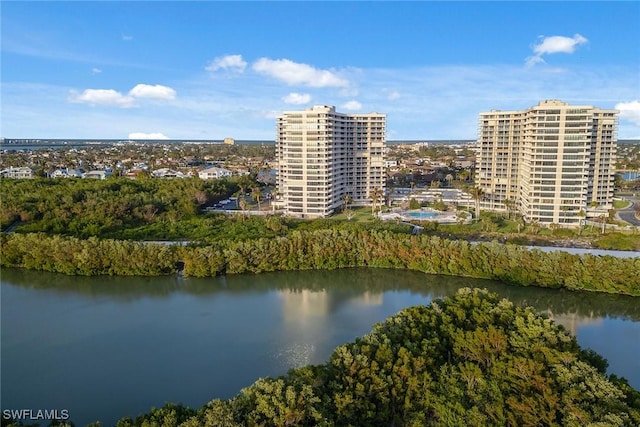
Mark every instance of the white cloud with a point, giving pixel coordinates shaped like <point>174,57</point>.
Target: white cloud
<point>127,38</point>
<point>297,98</point>
<point>533,60</point>
<point>96,70</point>
<point>152,92</point>
<point>554,44</point>
<point>351,105</point>
<point>294,73</point>
<point>110,97</point>
<point>229,62</point>
<point>245,108</point>
<point>559,44</point>
<point>152,135</point>
<point>102,97</point>
<point>629,111</point>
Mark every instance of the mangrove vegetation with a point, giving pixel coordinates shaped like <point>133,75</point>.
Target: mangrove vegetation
<point>324,249</point>
<point>107,227</point>
<point>468,360</point>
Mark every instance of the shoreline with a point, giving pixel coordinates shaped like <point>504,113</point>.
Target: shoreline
<point>552,267</point>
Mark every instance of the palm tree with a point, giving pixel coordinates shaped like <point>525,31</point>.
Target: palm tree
<point>478,194</point>
<point>509,204</point>
<point>275,193</point>
<point>603,221</point>
<point>243,205</point>
<point>594,205</point>
<point>534,226</point>
<point>243,188</point>
<point>462,217</point>
<point>257,195</point>
<point>564,209</point>
<point>376,193</point>
<point>582,214</point>
<point>244,182</point>
<point>346,202</point>
<point>448,178</point>
<point>239,195</point>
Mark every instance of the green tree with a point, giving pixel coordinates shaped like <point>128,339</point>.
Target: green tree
<point>346,206</point>
<point>478,195</point>
<point>510,205</point>
<point>471,359</point>
<point>257,195</point>
<point>582,215</point>
<point>439,205</point>
<point>243,205</point>
<point>376,194</point>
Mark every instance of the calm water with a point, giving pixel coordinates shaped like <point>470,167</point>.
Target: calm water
<point>104,348</point>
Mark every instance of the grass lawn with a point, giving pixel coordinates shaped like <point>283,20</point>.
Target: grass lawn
<point>360,214</point>
<point>620,204</point>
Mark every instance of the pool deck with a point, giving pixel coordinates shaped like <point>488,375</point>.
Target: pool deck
<point>402,214</point>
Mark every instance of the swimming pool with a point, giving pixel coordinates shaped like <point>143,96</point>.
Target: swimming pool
<point>422,215</point>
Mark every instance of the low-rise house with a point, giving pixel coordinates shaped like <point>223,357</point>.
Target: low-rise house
<point>167,173</point>
<point>214,173</point>
<point>66,173</point>
<point>267,176</point>
<point>134,173</point>
<point>464,164</point>
<point>99,174</point>
<point>17,173</point>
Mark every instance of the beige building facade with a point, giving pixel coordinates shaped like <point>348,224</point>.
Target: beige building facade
<point>325,156</point>
<point>553,163</point>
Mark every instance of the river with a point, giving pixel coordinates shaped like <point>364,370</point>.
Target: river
<point>106,347</point>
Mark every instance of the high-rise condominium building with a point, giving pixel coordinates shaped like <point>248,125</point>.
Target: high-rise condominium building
<point>326,157</point>
<point>554,163</point>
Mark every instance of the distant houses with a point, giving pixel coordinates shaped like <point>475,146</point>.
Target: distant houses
<point>208,173</point>
<point>79,173</point>
<point>98,174</point>
<point>167,173</point>
<point>214,173</point>
<point>17,173</point>
<point>66,173</point>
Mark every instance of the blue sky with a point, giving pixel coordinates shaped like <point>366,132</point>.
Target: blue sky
<point>210,70</point>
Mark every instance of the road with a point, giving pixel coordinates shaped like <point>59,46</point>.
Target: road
<point>628,214</point>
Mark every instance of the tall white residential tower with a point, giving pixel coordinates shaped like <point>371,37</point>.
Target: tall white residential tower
<point>553,162</point>
<point>324,156</point>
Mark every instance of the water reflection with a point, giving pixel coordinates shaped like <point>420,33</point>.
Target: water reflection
<point>366,285</point>
<point>129,343</point>
<point>571,321</point>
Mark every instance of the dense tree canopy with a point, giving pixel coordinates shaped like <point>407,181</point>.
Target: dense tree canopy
<point>104,208</point>
<point>470,360</point>
<point>324,249</point>
<point>92,227</point>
